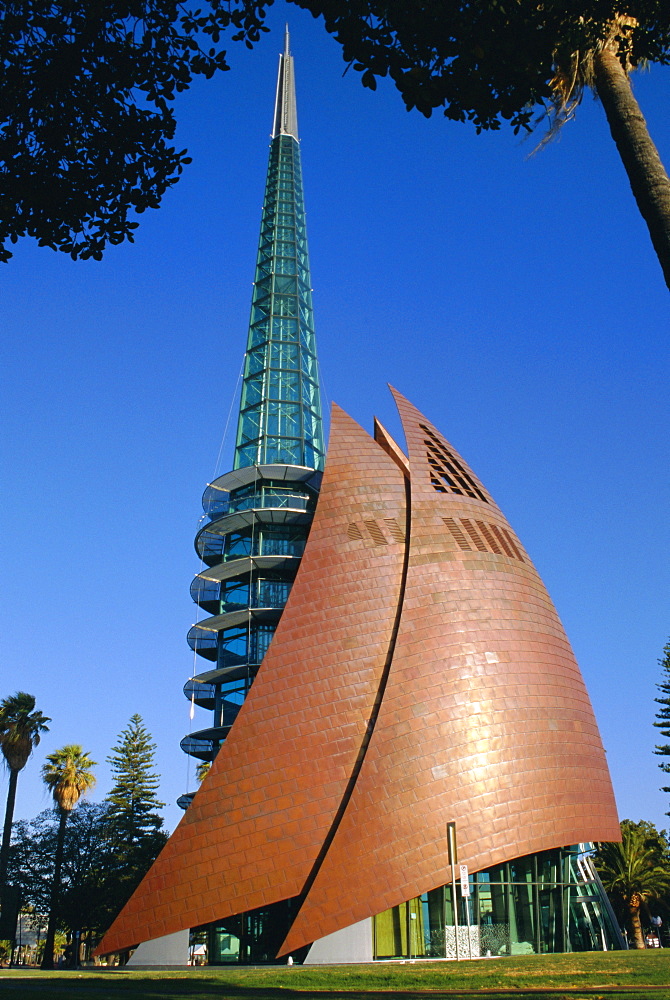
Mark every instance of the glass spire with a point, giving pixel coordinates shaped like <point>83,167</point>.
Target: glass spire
<point>280,409</point>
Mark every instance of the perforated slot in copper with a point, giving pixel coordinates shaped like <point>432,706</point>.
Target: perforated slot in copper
<point>457,533</point>
<point>486,532</point>
<point>449,469</point>
<point>394,528</point>
<point>376,533</point>
<point>503,541</point>
<point>470,528</point>
<point>513,544</point>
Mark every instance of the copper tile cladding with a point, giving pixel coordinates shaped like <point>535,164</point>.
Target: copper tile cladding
<point>404,688</point>
<point>485,718</point>
<point>263,813</point>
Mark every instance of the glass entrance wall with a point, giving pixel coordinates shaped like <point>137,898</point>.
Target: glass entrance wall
<point>542,903</point>
<point>251,938</point>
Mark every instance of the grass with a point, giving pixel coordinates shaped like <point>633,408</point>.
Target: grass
<point>610,976</point>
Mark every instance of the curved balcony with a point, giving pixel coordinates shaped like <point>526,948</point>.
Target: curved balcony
<point>217,494</point>
<point>223,675</point>
<point>209,541</point>
<point>204,694</point>
<point>264,496</point>
<point>203,636</point>
<point>205,743</point>
<point>206,587</point>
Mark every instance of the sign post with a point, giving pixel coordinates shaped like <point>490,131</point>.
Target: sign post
<point>465,893</point>
<point>453,861</point>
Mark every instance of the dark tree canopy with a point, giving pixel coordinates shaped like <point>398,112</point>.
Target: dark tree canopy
<point>86,121</point>
<point>96,878</point>
<point>485,62</point>
<point>87,854</point>
<point>85,110</point>
<point>506,60</point>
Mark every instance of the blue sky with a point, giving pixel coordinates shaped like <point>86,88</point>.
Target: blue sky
<point>515,300</point>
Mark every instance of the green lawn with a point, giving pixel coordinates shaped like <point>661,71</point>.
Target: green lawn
<point>620,975</point>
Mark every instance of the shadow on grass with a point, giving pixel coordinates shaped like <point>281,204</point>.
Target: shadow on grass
<point>93,986</point>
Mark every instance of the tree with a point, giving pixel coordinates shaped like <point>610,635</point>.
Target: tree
<point>634,871</point>
<point>97,875</point>
<point>20,730</point>
<point>134,826</point>
<point>67,774</point>
<point>133,800</point>
<point>494,61</point>
<point>663,715</point>
<point>202,770</point>
<point>88,879</point>
<point>85,110</point>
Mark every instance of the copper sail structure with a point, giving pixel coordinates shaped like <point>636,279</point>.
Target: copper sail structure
<point>418,676</point>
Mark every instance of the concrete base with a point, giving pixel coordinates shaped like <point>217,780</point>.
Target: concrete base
<point>351,944</point>
<point>171,950</point>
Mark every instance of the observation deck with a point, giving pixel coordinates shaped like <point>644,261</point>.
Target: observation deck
<point>257,523</point>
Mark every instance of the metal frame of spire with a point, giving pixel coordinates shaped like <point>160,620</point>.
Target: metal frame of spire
<point>280,408</point>
<point>259,514</point>
<point>285,120</point>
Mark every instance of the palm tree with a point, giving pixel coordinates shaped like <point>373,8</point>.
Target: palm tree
<point>67,775</point>
<point>202,770</point>
<point>634,871</point>
<point>20,730</point>
<point>605,68</point>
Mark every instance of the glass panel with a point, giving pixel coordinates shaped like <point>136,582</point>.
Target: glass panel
<point>223,946</point>
<point>259,333</point>
<point>256,361</point>
<point>285,265</point>
<point>491,905</point>
<point>237,543</point>
<point>285,305</point>
<point>272,593</point>
<point>285,328</point>
<point>253,391</point>
<point>432,904</point>
<point>522,923</point>
<point>521,869</point>
<point>391,933</point>
<point>551,917</point>
<point>284,355</point>
<point>234,595</point>
<point>250,424</point>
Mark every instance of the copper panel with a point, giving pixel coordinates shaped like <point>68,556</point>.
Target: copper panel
<point>485,719</point>
<point>260,818</point>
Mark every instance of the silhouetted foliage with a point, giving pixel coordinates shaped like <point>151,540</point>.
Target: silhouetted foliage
<point>97,878</point>
<point>493,62</point>
<point>87,865</point>
<point>21,728</point>
<point>68,775</point>
<point>85,110</point>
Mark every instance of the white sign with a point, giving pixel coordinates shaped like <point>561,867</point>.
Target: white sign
<point>465,881</point>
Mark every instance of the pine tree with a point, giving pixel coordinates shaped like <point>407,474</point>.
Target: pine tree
<point>133,799</point>
<point>663,715</point>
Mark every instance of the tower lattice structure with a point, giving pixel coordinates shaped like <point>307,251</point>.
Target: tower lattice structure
<point>257,516</point>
